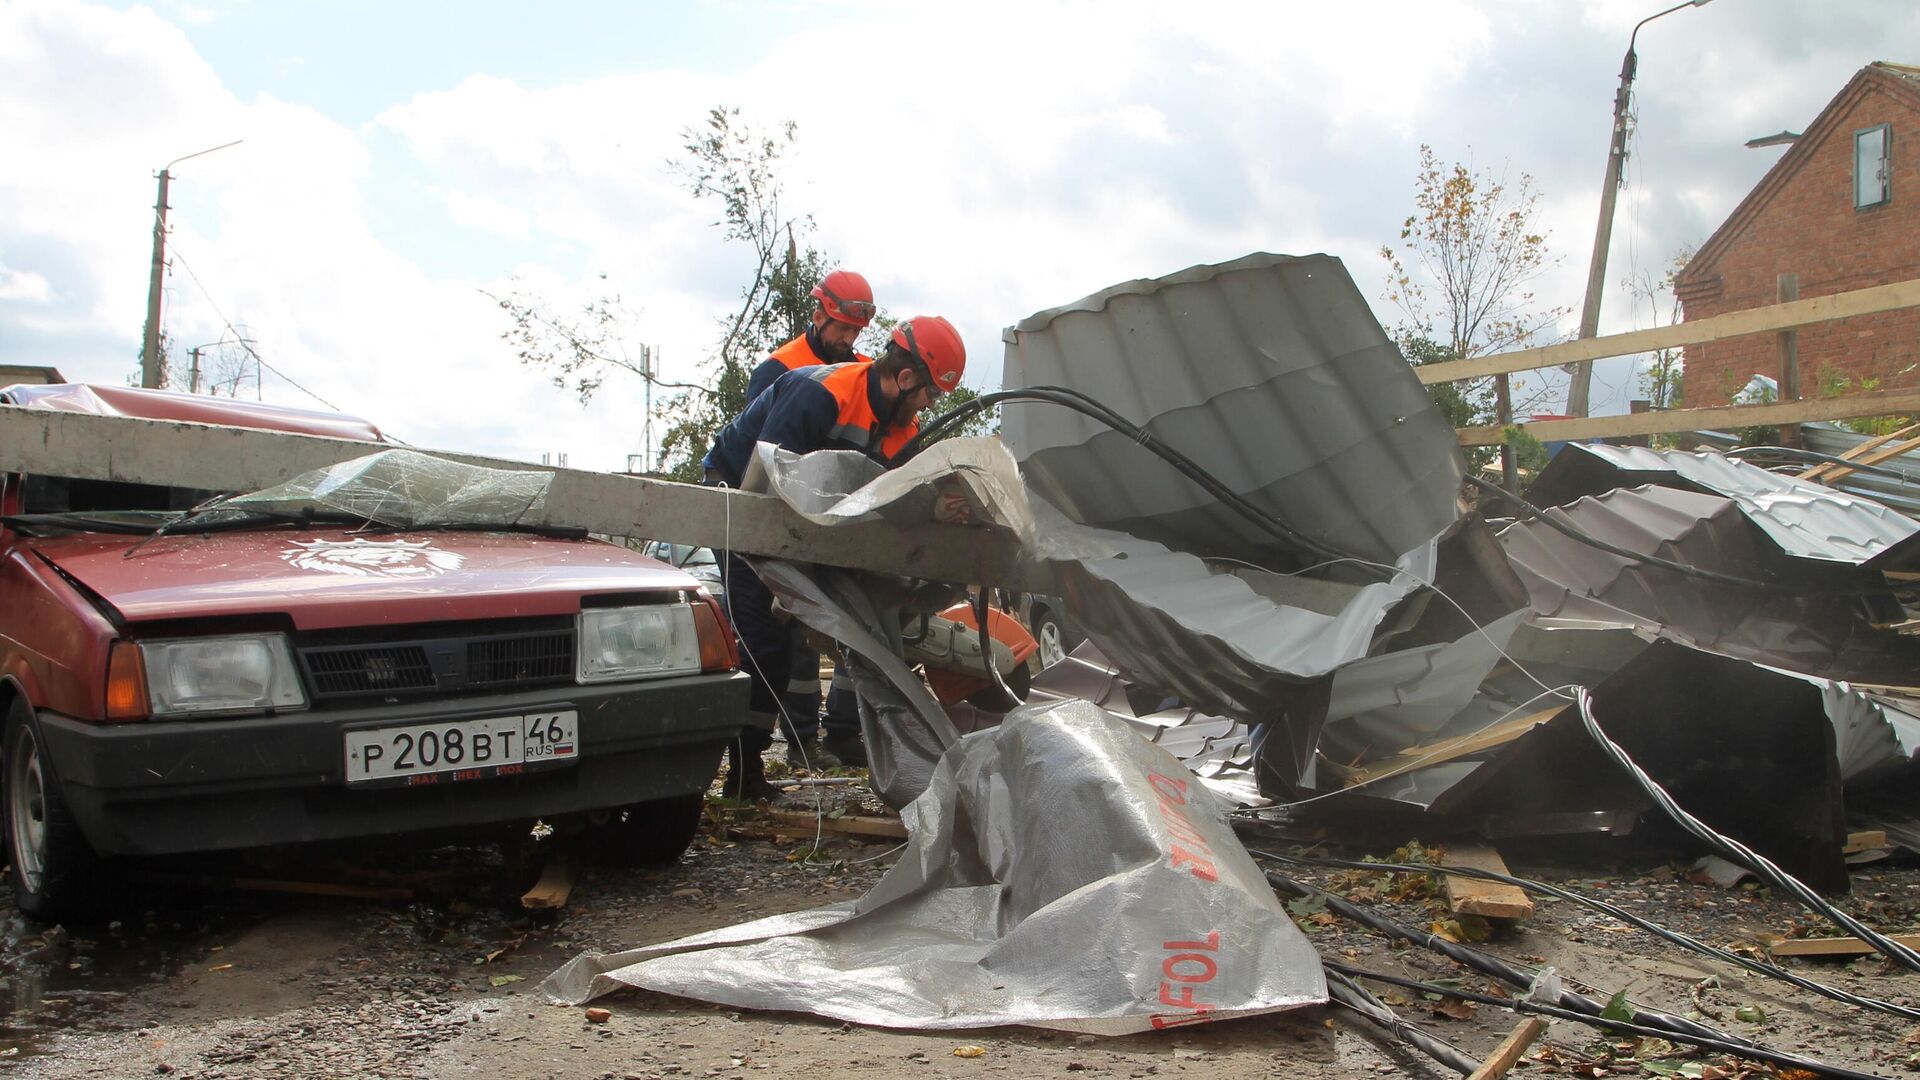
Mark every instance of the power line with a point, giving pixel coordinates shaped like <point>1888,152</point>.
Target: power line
<point>184,265</point>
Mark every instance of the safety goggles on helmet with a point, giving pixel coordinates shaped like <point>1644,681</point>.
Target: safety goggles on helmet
<point>927,381</point>
<point>861,311</point>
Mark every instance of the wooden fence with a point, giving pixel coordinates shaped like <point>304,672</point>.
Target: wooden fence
<point>1782,317</point>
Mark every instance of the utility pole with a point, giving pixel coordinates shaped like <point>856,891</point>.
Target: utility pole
<point>150,347</point>
<point>150,372</point>
<point>1578,391</point>
<point>647,371</point>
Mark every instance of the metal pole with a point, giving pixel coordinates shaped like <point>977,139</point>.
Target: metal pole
<point>150,346</point>
<point>1580,388</point>
<point>193,384</point>
<point>151,374</point>
<point>1578,391</point>
<point>647,361</point>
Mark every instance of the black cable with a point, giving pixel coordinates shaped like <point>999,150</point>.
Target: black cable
<point>1674,936</point>
<point>1749,1051</point>
<point>986,651</point>
<point>1715,576</point>
<point>1087,406</point>
<point>1485,964</point>
<point>1739,852</point>
<point>1342,989</point>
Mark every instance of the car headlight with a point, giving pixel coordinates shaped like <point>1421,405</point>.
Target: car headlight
<point>231,674</point>
<point>637,642</point>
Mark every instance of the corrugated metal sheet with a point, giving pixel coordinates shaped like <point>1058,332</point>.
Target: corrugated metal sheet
<point>1271,373</point>
<point>1900,492</point>
<point>1819,631</point>
<point>1807,520</point>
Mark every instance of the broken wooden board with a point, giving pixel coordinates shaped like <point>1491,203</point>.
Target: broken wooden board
<point>1507,1054</point>
<point>380,894</point>
<point>1474,896</point>
<point>847,825</point>
<point>1870,840</point>
<point>1840,472</point>
<point>1835,946</point>
<point>1433,753</point>
<point>1825,469</point>
<point>553,888</point>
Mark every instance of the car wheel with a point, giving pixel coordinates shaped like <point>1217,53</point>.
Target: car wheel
<point>1051,635</point>
<point>649,833</point>
<point>54,871</point>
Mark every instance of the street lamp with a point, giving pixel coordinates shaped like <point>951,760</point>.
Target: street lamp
<point>150,346</point>
<point>1597,269</point>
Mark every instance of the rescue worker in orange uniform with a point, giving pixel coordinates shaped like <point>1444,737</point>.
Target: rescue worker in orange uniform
<point>844,308</point>
<point>869,407</point>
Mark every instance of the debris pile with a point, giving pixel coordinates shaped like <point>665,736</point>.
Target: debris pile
<point>1259,522</point>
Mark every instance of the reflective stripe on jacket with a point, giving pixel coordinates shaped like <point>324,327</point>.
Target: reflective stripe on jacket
<point>794,355</point>
<point>857,427</point>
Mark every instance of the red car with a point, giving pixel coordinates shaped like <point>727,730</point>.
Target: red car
<point>247,679</point>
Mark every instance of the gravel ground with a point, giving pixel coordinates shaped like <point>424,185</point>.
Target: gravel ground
<point>238,984</point>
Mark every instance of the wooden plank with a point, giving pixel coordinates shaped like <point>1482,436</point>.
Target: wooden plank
<point>383,894</point>
<point>553,888</point>
<point>1419,757</point>
<point>1473,896</point>
<point>1507,1054</point>
<point>1870,840</point>
<point>848,825</point>
<point>1841,472</point>
<point>1818,309</point>
<point>1717,417</point>
<point>1860,451</point>
<point>222,458</point>
<point>1834,946</point>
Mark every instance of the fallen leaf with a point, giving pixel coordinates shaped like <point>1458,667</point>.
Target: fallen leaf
<point>502,980</point>
<point>1453,1009</point>
<point>969,1051</point>
<point>1617,1008</point>
<point>1750,1014</point>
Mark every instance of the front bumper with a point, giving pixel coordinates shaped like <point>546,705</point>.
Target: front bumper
<point>161,787</point>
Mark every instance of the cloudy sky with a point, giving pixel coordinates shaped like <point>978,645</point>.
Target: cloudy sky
<point>982,161</point>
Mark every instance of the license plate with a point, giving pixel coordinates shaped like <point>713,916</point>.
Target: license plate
<point>455,750</point>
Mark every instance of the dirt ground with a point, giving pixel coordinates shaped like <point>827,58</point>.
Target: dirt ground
<point>194,983</point>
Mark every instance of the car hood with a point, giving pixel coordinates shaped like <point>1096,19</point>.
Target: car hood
<point>330,578</point>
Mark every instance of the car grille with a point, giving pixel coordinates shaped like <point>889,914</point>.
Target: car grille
<point>441,665</point>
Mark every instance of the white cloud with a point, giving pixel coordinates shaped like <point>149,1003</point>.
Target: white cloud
<point>486,214</point>
<point>980,161</point>
<point>22,286</point>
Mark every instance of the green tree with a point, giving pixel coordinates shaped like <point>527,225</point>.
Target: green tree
<point>1663,377</point>
<point>728,161</point>
<point>1462,276</point>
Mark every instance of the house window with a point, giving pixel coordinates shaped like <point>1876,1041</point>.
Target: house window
<point>1872,162</point>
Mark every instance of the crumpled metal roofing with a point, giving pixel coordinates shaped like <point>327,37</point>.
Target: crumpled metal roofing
<point>1818,630</point>
<point>1223,645</point>
<point>1271,373</point>
<point>1900,491</point>
<point>1807,520</point>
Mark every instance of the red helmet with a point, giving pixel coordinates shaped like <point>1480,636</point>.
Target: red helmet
<point>846,296</point>
<point>936,344</point>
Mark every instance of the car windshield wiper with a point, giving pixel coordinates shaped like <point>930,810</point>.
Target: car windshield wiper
<point>199,521</point>
<point>563,532</point>
<point>246,517</point>
<point>106,521</point>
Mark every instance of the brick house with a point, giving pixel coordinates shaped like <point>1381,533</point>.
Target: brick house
<point>1841,210</point>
